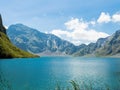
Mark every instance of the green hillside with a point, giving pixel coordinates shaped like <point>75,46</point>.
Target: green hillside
<point>8,50</point>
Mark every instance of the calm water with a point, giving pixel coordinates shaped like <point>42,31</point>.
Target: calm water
<point>46,72</point>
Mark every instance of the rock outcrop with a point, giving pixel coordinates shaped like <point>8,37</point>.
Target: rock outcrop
<point>2,28</point>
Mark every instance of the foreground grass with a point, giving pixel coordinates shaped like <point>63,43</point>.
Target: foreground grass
<point>76,86</point>
<point>73,85</point>
<point>5,85</point>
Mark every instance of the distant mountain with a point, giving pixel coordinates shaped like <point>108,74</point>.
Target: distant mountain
<point>34,41</point>
<point>111,46</point>
<point>7,49</point>
<point>91,48</point>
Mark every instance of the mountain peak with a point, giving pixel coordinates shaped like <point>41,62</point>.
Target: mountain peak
<point>0,19</point>
<point>2,28</point>
<point>117,32</point>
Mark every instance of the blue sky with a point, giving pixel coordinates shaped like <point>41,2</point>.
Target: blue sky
<point>52,15</point>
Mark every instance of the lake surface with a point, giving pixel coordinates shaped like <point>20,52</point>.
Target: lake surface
<point>46,73</point>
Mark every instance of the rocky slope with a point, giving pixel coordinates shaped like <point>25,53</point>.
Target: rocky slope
<point>32,40</point>
<point>40,43</point>
<point>111,46</point>
<point>91,48</point>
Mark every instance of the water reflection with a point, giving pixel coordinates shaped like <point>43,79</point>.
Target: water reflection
<point>43,73</point>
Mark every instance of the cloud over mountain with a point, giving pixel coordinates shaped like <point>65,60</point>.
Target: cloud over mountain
<point>78,31</point>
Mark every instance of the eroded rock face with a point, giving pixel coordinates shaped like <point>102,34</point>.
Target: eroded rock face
<point>34,41</point>
<point>2,28</point>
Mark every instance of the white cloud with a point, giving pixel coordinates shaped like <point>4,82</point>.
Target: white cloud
<point>116,17</point>
<point>104,18</point>
<point>78,32</point>
<point>92,22</point>
<point>61,33</point>
<point>75,23</point>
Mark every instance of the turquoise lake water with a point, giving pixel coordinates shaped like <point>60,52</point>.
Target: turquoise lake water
<point>46,73</point>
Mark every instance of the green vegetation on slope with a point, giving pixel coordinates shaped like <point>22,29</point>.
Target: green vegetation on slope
<point>8,50</point>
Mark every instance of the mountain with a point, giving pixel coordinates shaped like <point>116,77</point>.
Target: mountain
<point>111,46</point>
<point>7,49</point>
<point>34,41</point>
<point>2,28</point>
<point>90,48</point>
